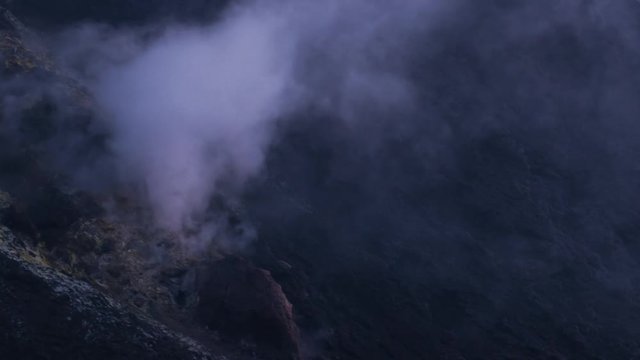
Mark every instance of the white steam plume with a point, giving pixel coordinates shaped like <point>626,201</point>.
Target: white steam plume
<point>195,106</point>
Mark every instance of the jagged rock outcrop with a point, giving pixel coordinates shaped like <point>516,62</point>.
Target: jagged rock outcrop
<point>45,314</point>
<point>15,54</point>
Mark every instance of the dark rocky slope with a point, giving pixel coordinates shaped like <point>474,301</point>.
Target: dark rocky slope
<point>81,286</point>
<point>45,314</point>
<point>498,222</point>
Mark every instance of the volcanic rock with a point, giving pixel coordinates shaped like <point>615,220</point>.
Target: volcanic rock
<point>45,314</point>
<point>240,300</point>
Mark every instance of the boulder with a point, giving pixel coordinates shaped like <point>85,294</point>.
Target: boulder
<point>243,302</point>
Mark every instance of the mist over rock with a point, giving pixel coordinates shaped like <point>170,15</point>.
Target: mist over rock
<point>323,180</point>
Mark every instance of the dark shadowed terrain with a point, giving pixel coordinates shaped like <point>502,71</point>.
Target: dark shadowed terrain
<point>58,13</point>
<point>495,216</point>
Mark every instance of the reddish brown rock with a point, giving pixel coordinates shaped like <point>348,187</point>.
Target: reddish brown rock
<point>244,303</point>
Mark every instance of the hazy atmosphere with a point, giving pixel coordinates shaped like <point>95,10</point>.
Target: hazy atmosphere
<point>297,179</point>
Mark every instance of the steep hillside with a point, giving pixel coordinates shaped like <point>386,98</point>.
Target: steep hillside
<point>464,189</point>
